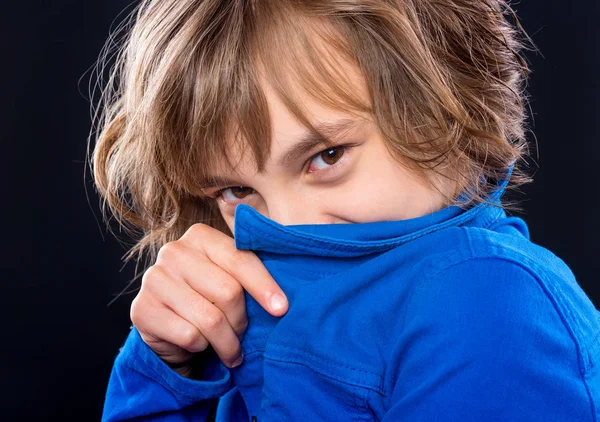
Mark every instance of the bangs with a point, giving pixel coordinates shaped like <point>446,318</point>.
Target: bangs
<point>295,54</point>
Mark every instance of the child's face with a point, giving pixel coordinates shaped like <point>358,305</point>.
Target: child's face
<point>320,184</point>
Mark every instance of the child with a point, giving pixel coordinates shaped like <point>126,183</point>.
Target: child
<point>357,151</point>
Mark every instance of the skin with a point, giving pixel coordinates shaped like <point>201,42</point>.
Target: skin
<point>355,184</point>
<point>193,296</point>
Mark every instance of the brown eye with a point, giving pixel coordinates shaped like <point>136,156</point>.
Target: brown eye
<point>234,194</point>
<point>241,192</point>
<point>326,158</point>
<point>331,156</point>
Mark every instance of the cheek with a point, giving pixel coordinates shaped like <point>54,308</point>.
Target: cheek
<point>366,201</point>
<point>229,221</point>
<point>384,192</point>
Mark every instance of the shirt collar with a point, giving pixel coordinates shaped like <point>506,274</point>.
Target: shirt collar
<point>253,231</point>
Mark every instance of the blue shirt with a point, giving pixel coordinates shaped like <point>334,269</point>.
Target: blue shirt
<point>453,316</point>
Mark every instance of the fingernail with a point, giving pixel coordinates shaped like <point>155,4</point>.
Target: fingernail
<point>238,361</point>
<point>278,301</point>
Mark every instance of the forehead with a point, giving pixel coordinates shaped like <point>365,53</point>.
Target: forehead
<point>327,125</point>
<point>290,145</point>
<point>287,127</point>
<point>290,87</point>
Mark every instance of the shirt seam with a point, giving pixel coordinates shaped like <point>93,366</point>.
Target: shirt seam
<point>379,388</point>
<point>375,245</point>
<point>583,365</point>
<point>155,375</point>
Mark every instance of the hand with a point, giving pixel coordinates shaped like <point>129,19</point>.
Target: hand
<point>193,296</point>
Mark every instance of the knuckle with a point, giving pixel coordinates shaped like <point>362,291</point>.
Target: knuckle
<point>188,338</point>
<point>213,321</point>
<point>134,311</point>
<point>198,230</point>
<point>152,275</point>
<point>232,294</point>
<point>139,311</point>
<point>169,251</point>
<point>244,257</point>
<point>200,345</point>
<point>238,259</point>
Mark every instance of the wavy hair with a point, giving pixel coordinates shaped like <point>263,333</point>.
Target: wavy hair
<point>446,83</point>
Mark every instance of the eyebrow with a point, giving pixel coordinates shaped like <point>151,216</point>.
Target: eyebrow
<point>309,141</point>
<point>327,133</point>
<point>217,181</point>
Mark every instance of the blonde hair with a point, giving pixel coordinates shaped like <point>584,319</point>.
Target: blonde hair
<point>445,80</point>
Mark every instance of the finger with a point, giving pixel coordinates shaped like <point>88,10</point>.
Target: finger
<point>244,266</point>
<point>251,273</point>
<point>214,283</point>
<point>202,314</point>
<point>171,337</point>
<point>178,345</point>
<point>221,289</point>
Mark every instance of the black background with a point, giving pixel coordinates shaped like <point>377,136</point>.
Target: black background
<point>59,266</point>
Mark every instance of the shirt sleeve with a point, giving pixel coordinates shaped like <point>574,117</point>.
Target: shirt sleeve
<point>141,385</point>
<point>483,340</point>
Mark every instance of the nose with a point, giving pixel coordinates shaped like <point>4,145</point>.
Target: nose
<point>293,209</point>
